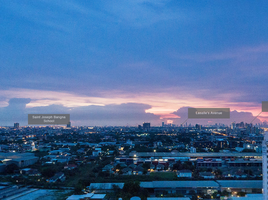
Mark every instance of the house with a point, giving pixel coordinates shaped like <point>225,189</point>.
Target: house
<point>34,172</point>
<point>127,171</point>
<point>152,167</point>
<point>160,167</point>
<point>138,170</point>
<point>122,164</point>
<point>70,166</point>
<point>81,151</point>
<point>30,172</point>
<point>111,152</point>
<point>133,166</point>
<point>25,170</point>
<point>184,173</point>
<point>207,175</point>
<point>62,159</point>
<point>96,153</point>
<point>239,149</point>
<point>56,152</point>
<point>108,168</point>
<point>240,174</point>
<point>57,177</point>
<point>228,174</point>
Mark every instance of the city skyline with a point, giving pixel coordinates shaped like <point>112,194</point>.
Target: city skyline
<point>125,62</point>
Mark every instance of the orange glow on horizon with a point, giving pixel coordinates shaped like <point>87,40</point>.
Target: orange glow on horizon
<point>162,104</point>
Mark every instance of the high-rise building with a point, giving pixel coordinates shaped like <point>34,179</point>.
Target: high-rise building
<point>69,124</point>
<point>198,126</point>
<point>16,125</point>
<point>233,125</point>
<point>146,126</point>
<point>163,124</point>
<point>33,146</point>
<point>264,166</point>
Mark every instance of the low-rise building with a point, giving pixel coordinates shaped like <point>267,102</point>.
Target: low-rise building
<point>184,174</point>
<point>207,175</point>
<point>20,159</point>
<point>57,177</point>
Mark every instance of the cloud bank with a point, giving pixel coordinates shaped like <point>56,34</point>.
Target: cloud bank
<point>115,115</point>
<point>131,114</point>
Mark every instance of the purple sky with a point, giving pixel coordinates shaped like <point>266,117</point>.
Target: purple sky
<point>126,62</point>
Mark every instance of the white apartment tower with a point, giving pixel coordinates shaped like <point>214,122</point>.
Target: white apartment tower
<point>264,166</point>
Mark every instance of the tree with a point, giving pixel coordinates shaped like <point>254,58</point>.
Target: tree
<point>118,166</point>
<point>131,187</point>
<point>144,194</point>
<point>225,193</point>
<point>40,154</point>
<point>218,173</point>
<point>248,150</point>
<point>248,172</point>
<point>241,194</point>
<point>85,182</point>
<point>11,168</point>
<point>78,189</point>
<point>177,166</point>
<point>215,195</point>
<point>116,188</point>
<point>104,174</point>
<point>48,172</point>
<point>146,166</point>
<point>192,192</point>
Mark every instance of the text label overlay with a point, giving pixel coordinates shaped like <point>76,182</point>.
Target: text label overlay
<point>48,119</point>
<point>208,113</point>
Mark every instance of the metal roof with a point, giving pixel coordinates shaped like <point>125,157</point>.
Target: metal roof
<point>188,154</point>
<point>179,184</point>
<point>17,156</point>
<point>240,183</point>
<point>105,186</point>
<point>168,198</point>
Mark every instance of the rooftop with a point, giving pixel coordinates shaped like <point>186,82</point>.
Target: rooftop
<point>178,184</point>
<point>105,186</point>
<point>17,156</point>
<point>240,183</point>
<point>188,154</point>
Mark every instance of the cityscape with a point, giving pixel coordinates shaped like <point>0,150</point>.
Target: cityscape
<point>133,100</point>
<point>82,162</point>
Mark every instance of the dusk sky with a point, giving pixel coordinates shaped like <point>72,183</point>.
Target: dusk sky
<point>129,61</point>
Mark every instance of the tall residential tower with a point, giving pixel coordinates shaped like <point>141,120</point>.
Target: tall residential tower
<point>264,166</point>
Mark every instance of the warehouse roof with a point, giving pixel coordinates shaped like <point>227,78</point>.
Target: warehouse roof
<point>179,184</point>
<point>17,156</point>
<point>188,154</point>
<point>241,183</point>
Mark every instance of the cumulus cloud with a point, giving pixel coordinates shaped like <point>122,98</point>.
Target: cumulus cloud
<point>235,116</point>
<point>122,114</point>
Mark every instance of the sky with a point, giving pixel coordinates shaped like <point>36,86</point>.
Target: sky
<point>128,62</point>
